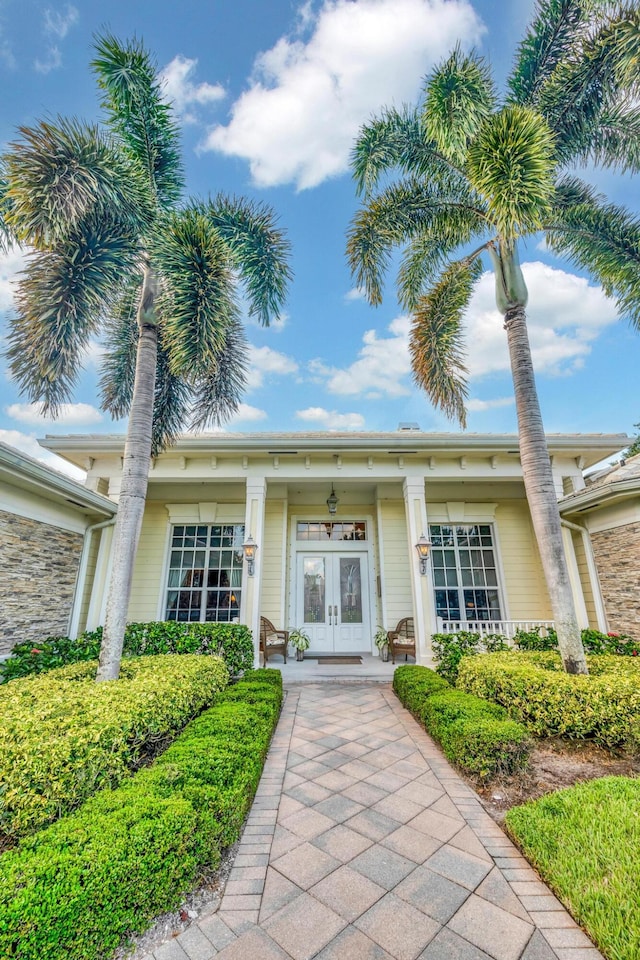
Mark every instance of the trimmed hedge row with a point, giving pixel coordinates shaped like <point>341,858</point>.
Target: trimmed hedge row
<point>604,707</point>
<point>77,889</point>
<point>476,735</point>
<point>63,736</point>
<point>230,641</point>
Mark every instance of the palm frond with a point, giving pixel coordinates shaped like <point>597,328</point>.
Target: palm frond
<point>397,142</point>
<point>549,39</point>
<point>61,175</point>
<point>425,256</point>
<point>198,301</point>
<point>218,391</point>
<point>590,81</point>
<point>601,238</point>
<point>118,366</point>
<point>615,140</point>
<point>511,165</point>
<point>59,302</point>
<point>436,342</point>
<point>460,95</point>
<point>138,113</point>
<point>5,233</point>
<point>258,249</point>
<point>402,212</point>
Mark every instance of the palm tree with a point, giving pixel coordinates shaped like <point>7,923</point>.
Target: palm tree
<point>116,253</point>
<point>463,174</point>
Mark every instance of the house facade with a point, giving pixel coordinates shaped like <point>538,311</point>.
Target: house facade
<point>336,520</point>
<point>46,547</point>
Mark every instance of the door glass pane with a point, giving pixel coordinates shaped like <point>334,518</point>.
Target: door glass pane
<point>350,590</point>
<point>314,589</point>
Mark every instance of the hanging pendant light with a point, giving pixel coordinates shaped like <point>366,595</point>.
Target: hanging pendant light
<point>332,502</point>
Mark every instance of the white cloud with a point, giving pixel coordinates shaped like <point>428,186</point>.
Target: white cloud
<point>180,89</point>
<point>565,315</point>
<point>308,98</point>
<point>475,404</point>
<point>56,26</point>
<point>71,414</point>
<point>356,293</point>
<point>265,362</point>
<point>380,370</point>
<point>28,444</point>
<point>11,263</point>
<point>248,413</point>
<point>331,419</point>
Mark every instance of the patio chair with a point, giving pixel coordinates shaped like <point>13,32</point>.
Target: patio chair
<point>402,639</point>
<point>272,640</point>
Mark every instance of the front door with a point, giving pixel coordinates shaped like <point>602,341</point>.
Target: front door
<point>332,602</point>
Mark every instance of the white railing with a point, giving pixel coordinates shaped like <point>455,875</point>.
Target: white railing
<point>505,627</point>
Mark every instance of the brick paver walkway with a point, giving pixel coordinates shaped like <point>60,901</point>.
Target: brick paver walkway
<point>363,843</point>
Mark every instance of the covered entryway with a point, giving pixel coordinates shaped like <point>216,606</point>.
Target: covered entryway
<point>333,601</point>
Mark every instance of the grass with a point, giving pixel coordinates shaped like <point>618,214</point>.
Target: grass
<point>585,843</point>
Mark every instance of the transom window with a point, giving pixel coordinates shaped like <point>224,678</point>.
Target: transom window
<point>331,530</point>
<point>465,575</point>
<point>205,572</point>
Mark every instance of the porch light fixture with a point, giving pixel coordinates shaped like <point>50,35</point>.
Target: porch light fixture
<point>332,502</point>
<point>249,548</point>
<point>422,547</point>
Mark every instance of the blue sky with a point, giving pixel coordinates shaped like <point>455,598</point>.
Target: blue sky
<point>270,97</point>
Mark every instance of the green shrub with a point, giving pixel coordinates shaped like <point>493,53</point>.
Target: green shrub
<point>585,843</point>
<point>594,641</point>
<point>603,707</point>
<point>77,889</point>
<point>63,736</point>
<point>450,648</point>
<point>476,735</point>
<point>230,641</point>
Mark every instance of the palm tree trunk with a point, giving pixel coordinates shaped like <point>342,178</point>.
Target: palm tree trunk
<point>133,492</point>
<point>541,494</point>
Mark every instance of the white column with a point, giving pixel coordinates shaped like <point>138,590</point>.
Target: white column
<point>95,614</point>
<point>421,588</point>
<point>574,579</point>
<point>254,527</point>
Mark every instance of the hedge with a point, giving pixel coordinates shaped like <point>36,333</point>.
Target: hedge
<point>476,735</point>
<point>585,843</point>
<point>63,736</point>
<point>230,641</point>
<point>79,888</point>
<point>604,707</point>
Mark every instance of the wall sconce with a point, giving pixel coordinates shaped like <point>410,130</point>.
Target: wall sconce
<point>332,502</point>
<point>249,548</point>
<point>422,547</point>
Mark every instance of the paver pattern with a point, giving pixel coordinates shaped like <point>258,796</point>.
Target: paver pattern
<point>363,843</point>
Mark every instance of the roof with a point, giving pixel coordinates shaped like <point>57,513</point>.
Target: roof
<point>19,469</point>
<point>592,447</point>
<point>622,480</point>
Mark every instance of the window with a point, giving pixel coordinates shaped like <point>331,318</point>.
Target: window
<point>205,572</point>
<point>465,575</point>
<point>332,530</point>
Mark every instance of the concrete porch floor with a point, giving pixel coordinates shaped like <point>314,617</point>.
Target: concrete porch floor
<point>311,670</point>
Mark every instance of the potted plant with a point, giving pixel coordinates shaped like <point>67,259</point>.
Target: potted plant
<point>382,643</point>
<point>300,641</point>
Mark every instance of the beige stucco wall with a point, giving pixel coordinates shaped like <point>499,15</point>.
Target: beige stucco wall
<point>39,565</point>
<point>395,570</point>
<point>524,586</point>
<point>272,597</point>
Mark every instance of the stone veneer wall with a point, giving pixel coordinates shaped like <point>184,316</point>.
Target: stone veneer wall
<point>617,555</point>
<point>38,568</point>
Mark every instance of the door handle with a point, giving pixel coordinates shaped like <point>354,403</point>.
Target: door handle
<point>335,614</point>
<point>329,611</point>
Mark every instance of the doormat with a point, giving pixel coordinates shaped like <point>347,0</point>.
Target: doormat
<point>336,659</point>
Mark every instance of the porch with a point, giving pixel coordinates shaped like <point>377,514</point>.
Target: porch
<point>312,669</point>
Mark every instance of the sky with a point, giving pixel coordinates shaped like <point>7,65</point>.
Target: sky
<point>270,97</point>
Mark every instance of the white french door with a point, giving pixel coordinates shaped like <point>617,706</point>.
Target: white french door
<point>332,600</point>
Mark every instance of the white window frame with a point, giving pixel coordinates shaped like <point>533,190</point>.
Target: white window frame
<point>495,547</point>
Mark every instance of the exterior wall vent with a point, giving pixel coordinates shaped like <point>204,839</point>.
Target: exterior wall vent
<point>408,426</point>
